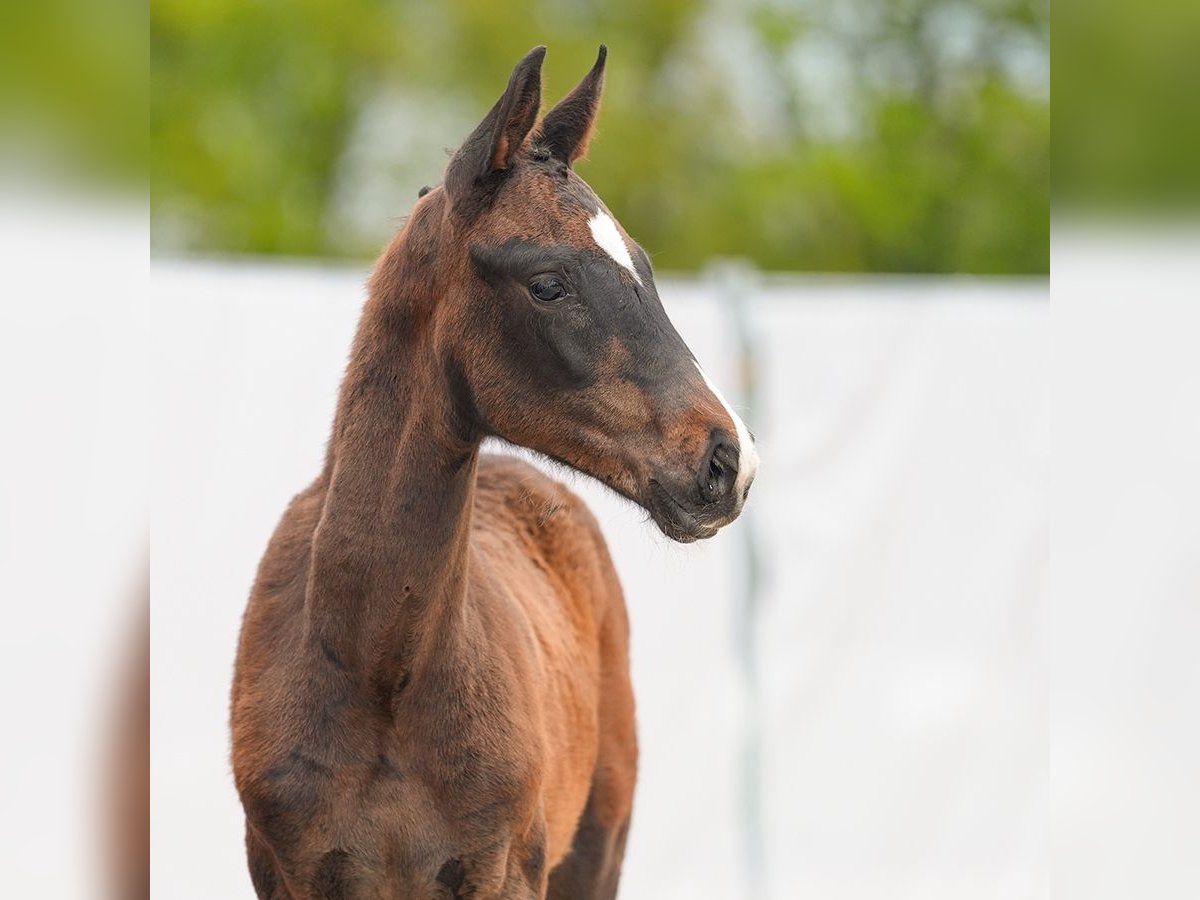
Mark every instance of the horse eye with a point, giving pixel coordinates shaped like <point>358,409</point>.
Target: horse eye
<point>547,289</point>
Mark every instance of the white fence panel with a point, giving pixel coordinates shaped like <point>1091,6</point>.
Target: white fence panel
<point>902,525</point>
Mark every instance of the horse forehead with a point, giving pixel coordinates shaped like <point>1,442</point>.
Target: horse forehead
<point>574,204</point>
<point>589,226</point>
<point>546,207</point>
<point>602,228</point>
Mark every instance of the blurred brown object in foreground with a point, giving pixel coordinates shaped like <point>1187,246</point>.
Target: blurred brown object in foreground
<point>126,832</point>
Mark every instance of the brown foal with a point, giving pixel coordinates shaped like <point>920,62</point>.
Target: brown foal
<point>432,694</point>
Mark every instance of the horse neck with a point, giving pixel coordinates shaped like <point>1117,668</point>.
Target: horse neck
<point>388,573</point>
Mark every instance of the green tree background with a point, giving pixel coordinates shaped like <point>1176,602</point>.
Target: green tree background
<point>820,135</point>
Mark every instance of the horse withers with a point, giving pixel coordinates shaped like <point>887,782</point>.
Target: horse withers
<point>432,693</point>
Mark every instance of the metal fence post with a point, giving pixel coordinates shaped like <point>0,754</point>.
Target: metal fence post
<point>734,283</point>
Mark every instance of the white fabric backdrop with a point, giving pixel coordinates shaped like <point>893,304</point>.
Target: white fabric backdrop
<point>901,513</point>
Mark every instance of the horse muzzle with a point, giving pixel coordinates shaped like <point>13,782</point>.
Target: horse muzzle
<point>697,506</point>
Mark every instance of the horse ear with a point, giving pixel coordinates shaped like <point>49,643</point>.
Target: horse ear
<point>496,140</point>
<point>567,128</point>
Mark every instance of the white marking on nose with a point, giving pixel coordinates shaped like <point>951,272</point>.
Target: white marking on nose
<point>747,452</point>
<point>608,237</point>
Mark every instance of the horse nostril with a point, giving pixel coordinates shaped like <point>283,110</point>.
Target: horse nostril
<point>714,478</point>
<point>715,470</point>
<point>718,475</point>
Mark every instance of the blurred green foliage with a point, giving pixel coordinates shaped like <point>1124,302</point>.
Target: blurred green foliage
<point>827,135</point>
<point>1128,136</point>
<point>73,91</point>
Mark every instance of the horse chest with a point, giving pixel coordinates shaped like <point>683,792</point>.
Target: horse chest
<point>425,811</point>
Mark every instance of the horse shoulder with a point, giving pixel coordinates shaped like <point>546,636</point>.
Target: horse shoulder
<point>557,533</point>
<point>547,547</point>
<point>270,641</point>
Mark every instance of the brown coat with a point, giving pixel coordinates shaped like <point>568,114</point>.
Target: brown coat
<point>432,693</point>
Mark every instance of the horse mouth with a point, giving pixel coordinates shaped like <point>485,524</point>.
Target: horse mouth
<point>674,519</point>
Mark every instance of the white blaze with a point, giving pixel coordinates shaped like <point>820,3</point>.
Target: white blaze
<point>608,237</point>
<point>747,453</point>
